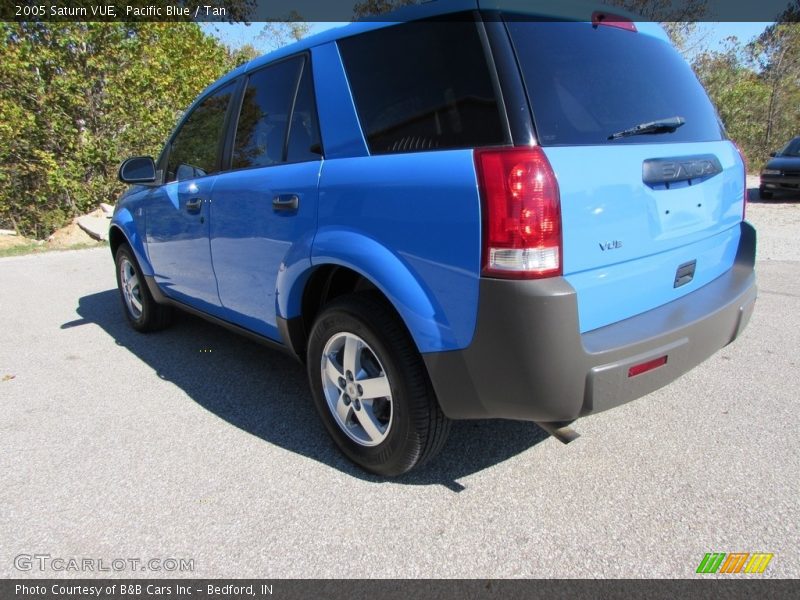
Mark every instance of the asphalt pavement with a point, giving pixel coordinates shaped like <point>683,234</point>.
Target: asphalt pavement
<point>194,444</point>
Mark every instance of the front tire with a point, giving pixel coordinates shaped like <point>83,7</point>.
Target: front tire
<point>371,388</point>
<point>142,311</point>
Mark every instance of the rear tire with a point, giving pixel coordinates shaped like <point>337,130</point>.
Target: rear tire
<point>371,387</point>
<point>142,311</point>
<point>764,195</point>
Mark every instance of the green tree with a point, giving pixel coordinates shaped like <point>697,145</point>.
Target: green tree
<point>739,93</point>
<point>371,8</point>
<point>777,54</point>
<point>284,31</point>
<point>679,19</point>
<point>756,87</point>
<point>77,98</point>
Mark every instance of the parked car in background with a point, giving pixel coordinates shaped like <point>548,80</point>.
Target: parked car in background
<point>455,215</point>
<point>782,172</point>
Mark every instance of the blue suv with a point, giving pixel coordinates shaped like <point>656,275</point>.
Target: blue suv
<point>460,214</point>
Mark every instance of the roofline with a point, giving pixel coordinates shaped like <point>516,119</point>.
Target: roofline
<point>568,10</point>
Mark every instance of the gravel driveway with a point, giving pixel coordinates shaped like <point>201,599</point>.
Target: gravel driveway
<point>197,444</point>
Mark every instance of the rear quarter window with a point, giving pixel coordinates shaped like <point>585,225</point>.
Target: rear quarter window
<point>585,83</point>
<point>423,85</point>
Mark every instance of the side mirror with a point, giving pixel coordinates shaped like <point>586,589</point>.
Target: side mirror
<point>773,154</point>
<point>139,169</point>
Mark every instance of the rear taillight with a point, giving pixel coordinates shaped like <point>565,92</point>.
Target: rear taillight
<point>744,195</point>
<point>521,213</point>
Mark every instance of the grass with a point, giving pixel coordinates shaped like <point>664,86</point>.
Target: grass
<point>33,247</point>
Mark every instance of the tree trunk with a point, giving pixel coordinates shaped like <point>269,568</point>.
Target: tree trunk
<point>776,79</point>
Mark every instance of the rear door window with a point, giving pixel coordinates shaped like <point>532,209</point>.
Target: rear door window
<point>586,83</point>
<point>264,115</point>
<point>304,139</point>
<point>423,85</point>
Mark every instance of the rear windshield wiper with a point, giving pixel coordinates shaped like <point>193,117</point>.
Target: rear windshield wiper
<point>660,126</point>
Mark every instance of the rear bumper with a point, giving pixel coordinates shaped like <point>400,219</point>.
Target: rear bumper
<point>528,360</point>
<point>780,182</point>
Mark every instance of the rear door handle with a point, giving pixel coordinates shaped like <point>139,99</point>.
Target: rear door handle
<point>194,205</point>
<point>285,202</point>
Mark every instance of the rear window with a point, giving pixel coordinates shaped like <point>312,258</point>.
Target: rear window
<point>422,85</point>
<point>586,83</point>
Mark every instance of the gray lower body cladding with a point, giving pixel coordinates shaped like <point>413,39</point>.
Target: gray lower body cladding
<point>529,361</point>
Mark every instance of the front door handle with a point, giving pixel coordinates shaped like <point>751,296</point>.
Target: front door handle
<point>194,205</point>
<point>285,202</point>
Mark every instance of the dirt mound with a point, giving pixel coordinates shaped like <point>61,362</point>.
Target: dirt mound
<point>71,235</point>
<point>77,233</point>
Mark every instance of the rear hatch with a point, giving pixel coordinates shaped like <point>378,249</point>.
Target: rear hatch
<point>646,218</point>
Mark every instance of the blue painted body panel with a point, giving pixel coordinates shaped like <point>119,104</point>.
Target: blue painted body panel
<point>131,226</point>
<point>411,224</point>
<point>604,200</point>
<point>250,242</point>
<point>340,129</point>
<point>610,294</point>
<point>178,243</point>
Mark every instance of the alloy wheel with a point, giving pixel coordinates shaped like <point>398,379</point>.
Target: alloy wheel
<point>131,288</point>
<point>356,389</point>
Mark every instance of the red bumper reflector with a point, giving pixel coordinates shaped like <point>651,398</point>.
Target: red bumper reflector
<point>646,366</point>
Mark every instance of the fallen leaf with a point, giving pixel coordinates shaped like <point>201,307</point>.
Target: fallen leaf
<point>8,377</point>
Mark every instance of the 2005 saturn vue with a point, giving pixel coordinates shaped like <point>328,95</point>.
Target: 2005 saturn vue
<point>462,213</point>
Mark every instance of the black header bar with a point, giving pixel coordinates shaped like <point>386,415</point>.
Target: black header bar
<point>345,10</point>
<point>733,588</point>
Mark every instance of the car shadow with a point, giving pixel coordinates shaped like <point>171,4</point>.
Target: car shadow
<point>265,393</point>
<point>754,197</point>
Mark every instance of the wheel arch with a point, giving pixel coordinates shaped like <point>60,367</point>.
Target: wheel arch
<point>321,285</point>
<point>123,230</point>
<point>378,270</point>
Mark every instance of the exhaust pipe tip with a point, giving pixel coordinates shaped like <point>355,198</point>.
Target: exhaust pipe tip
<point>561,431</point>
